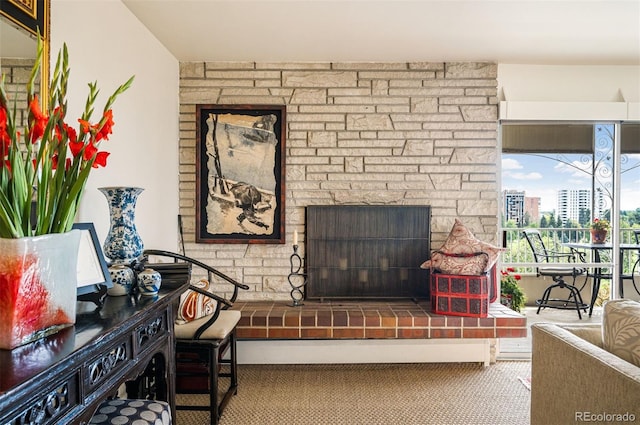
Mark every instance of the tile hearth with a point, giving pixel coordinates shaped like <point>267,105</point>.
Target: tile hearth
<point>401,319</point>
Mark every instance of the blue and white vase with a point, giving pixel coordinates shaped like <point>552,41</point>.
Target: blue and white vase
<point>123,279</point>
<point>149,282</point>
<point>123,244</point>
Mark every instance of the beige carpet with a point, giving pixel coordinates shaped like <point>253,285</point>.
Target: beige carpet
<point>407,394</point>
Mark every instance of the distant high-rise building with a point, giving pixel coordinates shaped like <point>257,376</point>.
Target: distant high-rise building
<point>575,204</point>
<point>517,206</point>
<point>513,201</point>
<point>532,207</point>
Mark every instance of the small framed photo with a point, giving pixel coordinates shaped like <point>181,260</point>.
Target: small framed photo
<point>240,173</point>
<point>92,267</point>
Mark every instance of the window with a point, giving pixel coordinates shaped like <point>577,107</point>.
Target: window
<point>562,175</point>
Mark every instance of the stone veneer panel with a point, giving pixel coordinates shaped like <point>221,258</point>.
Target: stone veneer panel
<point>414,133</point>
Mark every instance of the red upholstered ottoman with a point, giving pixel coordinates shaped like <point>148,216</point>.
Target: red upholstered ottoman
<point>460,295</point>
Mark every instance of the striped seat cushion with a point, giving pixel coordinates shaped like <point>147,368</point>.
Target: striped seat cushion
<point>224,324</point>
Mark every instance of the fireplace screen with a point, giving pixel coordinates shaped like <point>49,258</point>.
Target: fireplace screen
<point>363,251</point>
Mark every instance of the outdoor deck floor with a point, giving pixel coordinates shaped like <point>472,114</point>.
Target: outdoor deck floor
<point>520,348</point>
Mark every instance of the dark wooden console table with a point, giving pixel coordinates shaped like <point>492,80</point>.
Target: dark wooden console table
<point>62,379</point>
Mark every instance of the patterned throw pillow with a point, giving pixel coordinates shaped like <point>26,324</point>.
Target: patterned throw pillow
<point>621,329</point>
<point>194,305</point>
<point>459,253</point>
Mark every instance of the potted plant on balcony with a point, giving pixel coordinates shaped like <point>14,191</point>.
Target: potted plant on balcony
<point>599,229</point>
<point>511,293</point>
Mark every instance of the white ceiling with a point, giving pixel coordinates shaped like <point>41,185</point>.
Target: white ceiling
<point>596,32</point>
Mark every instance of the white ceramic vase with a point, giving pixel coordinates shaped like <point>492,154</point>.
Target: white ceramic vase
<point>38,286</point>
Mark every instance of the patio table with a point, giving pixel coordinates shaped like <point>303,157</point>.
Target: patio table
<point>598,274</point>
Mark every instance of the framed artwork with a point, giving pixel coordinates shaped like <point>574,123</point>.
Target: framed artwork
<point>93,274</point>
<point>240,173</point>
<point>30,15</point>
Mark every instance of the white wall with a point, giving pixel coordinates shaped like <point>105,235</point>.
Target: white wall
<point>108,44</point>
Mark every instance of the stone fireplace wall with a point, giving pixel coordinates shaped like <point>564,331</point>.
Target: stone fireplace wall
<point>357,133</point>
<point>16,74</point>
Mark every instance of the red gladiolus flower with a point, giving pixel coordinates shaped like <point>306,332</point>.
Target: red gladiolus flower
<point>40,120</point>
<point>89,151</point>
<point>511,269</point>
<point>107,128</point>
<point>75,147</point>
<point>101,159</point>
<point>4,135</point>
<point>517,276</point>
<point>84,125</point>
<point>54,163</point>
<point>89,128</point>
<point>48,144</point>
<point>69,131</point>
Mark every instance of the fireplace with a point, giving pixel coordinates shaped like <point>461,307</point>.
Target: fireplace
<point>364,251</point>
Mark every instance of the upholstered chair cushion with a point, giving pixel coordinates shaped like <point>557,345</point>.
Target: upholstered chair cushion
<point>456,256</point>
<point>621,329</point>
<point>132,412</point>
<point>194,305</point>
<point>224,324</point>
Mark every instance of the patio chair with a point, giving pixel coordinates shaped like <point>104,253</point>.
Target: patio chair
<point>557,266</point>
<point>634,275</point>
<point>202,343</point>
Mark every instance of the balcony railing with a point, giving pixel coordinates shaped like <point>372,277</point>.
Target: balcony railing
<point>519,252</point>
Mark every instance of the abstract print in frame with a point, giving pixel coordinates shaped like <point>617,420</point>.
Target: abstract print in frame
<point>240,171</point>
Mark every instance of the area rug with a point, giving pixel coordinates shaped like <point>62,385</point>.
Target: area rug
<point>353,394</point>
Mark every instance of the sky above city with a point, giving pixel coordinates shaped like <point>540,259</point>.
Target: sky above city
<point>543,177</point>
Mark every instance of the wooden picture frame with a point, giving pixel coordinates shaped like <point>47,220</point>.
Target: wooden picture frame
<point>240,173</point>
<point>32,16</point>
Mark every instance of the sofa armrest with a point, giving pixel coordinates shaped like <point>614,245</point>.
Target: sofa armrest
<point>591,333</point>
<point>570,376</point>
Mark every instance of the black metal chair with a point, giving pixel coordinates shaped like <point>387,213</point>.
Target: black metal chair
<point>557,266</point>
<point>634,275</point>
<point>202,344</point>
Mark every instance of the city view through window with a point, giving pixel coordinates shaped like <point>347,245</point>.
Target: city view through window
<point>542,190</point>
<point>555,197</point>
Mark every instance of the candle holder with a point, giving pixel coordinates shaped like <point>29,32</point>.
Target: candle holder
<point>296,279</point>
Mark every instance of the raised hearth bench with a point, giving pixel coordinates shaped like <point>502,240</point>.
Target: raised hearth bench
<point>399,331</point>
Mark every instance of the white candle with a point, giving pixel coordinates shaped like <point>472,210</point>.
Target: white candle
<point>295,237</point>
